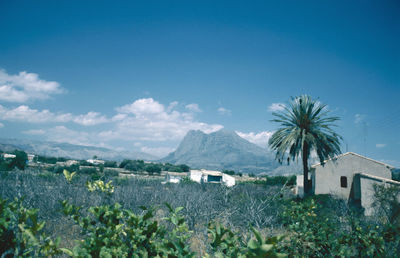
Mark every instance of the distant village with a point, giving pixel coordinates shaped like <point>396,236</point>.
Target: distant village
<point>349,176</point>
<point>136,168</point>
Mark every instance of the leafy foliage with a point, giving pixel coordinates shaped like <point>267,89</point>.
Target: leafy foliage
<point>305,126</point>
<point>226,243</point>
<point>19,161</point>
<point>99,185</point>
<point>111,231</point>
<point>68,176</point>
<point>21,232</point>
<point>313,233</point>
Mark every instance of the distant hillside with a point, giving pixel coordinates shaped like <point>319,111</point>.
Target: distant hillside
<point>225,150</point>
<point>67,150</point>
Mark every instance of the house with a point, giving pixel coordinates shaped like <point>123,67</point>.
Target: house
<point>211,176</point>
<point>349,176</point>
<point>96,161</point>
<point>9,156</point>
<point>174,177</point>
<point>31,157</point>
<point>71,162</point>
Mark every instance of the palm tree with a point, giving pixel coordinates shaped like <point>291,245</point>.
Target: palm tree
<point>305,127</point>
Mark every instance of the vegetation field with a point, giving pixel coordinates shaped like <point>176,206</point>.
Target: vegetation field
<point>248,220</point>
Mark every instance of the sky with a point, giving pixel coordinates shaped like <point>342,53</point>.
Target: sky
<point>138,75</point>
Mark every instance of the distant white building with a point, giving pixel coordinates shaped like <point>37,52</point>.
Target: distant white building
<point>96,161</point>
<point>174,177</point>
<point>71,162</point>
<point>9,156</point>
<point>349,176</point>
<point>211,176</point>
<point>31,157</point>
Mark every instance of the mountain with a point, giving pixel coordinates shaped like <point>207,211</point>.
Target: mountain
<point>67,150</point>
<point>225,150</point>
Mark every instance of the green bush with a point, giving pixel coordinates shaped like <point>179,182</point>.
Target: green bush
<point>313,232</point>
<point>226,243</point>
<point>45,159</point>
<point>153,168</point>
<point>110,164</point>
<point>111,172</point>
<point>88,171</point>
<point>281,180</point>
<point>229,172</point>
<point>21,232</point>
<point>60,169</point>
<point>111,231</point>
<point>19,161</point>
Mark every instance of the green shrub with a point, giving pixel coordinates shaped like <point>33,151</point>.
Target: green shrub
<point>21,232</point>
<point>111,172</point>
<point>153,168</point>
<point>281,180</point>
<point>45,159</point>
<point>111,231</point>
<point>226,243</point>
<point>315,231</point>
<point>88,171</point>
<point>110,164</point>
<point>229,172</point>
<point>60,169</point>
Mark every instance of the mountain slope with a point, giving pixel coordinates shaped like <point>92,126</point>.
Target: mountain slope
<point>222,150</point>
<point>67,150</point>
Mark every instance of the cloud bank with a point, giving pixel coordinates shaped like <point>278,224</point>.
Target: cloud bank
<point>261,138</point>
<point>26,86</point>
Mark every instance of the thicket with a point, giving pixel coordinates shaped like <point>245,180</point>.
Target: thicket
<point>151,168</point>
<point>216,221</point>
<point>20,160</point>
<point>48,159</point>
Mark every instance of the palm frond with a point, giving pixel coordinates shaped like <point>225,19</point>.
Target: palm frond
<point>305,122</point>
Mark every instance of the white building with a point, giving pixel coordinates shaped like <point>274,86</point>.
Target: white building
<point>96,161</point>
<point>71,162</point>
<point>174,177</point>
<point>211,176</point>
<point>9,156</point>
<point>349,176</point>
<point>31,157</point>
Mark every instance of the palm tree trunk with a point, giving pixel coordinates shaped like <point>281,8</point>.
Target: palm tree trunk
<point>306,184</point>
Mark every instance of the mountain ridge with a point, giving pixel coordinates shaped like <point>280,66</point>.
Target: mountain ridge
<point>67,150</point>
<point>225,149</point>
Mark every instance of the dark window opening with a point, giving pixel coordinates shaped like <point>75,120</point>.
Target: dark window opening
<point>343,181</point>
<point>214,178</point>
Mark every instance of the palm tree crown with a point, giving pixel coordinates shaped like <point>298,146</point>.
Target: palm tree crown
<point>305,127</point>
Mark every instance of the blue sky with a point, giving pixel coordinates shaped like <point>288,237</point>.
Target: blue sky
<point>138,76</point>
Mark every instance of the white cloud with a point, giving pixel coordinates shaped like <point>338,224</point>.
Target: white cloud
<point>149,120</point>
<point>157,151</point>
<point>26,114</point>
<point>26,86</point>
<point>35,132</point>
<point>380,145</point>
<point>64,134</point>
<point>140,121</point>
<point>260,139</point>
<point>224,111</point>
<point>172,105</point>
<point>91,118</point>
<point>142,107</point>
<point>359,118</point>
<point>193,107</point>
<point>1,125</point>
<point>274,107</point>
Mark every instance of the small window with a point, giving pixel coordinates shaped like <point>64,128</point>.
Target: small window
<point>343,181</point>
